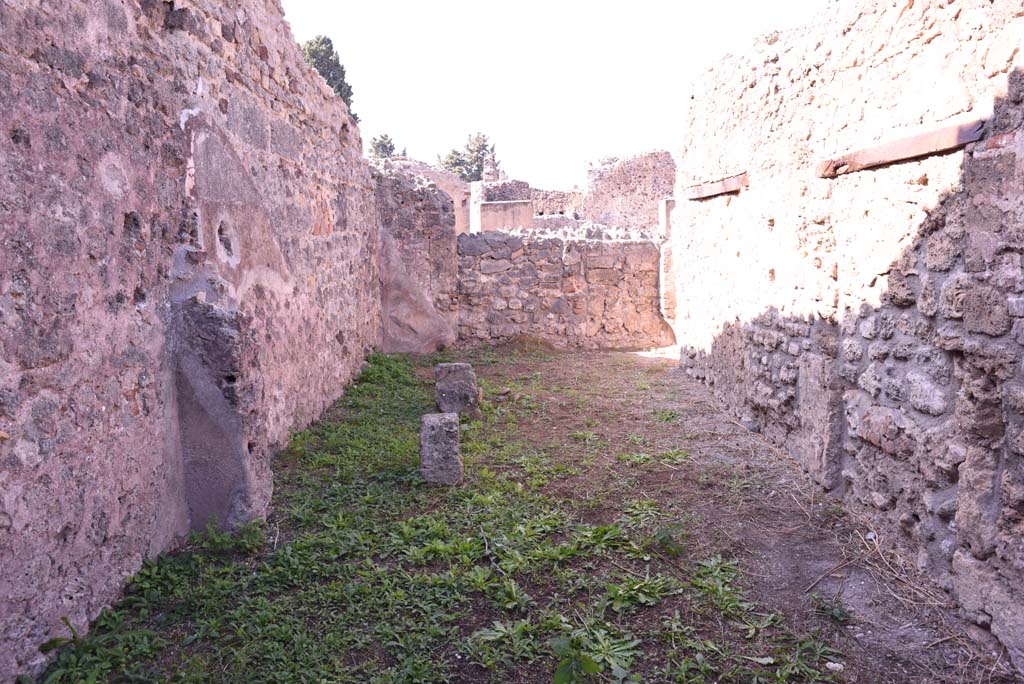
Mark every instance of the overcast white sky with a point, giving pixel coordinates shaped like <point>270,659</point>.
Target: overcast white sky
<point>555,83</point>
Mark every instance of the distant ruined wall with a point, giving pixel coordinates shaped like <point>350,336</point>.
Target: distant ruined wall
<point>504,190</point>
<point>625,192</point>
<point>505,215</point>
<point>873,324</point>
<point>445,181</point>
<point>572,293</point>
<point>498,205</point>
<point>575,284</point>
<point>556,202</point>
<point>188,271</point>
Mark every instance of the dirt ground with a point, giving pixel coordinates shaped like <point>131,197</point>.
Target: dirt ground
<point>735,494</point>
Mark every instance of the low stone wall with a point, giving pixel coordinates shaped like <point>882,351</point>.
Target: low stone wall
<point>504,190</point>
<point>870,323</point>
<point>572,293</point>
<point>188,272</point>
<point>556,203</point>
<point>503,215</point>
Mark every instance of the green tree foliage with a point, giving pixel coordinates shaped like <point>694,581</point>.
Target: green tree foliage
<point>468,163</point>
<point>382,146</point>
<point>321,55</point>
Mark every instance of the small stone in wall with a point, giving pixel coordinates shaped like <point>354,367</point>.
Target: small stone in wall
<point>901,291</point>
<point>925,395</point>
<point>1013,398</point>
<point>878,351</point>
<point>943,251</point>
<point>903,351</point>
<point>951,298</point>
<point>894,389</point>
<point>928,300</point>
<point>1016,442</point>
<point>870,381</point>
<point>942,502</point>
<point>848,372</point>
<point>489,266</point>
<point>455,389</point>
<point>986,311</point>
<point>852,350</point>
<point>789,373</point>
<point>886,429</point>
<point>440,455</point>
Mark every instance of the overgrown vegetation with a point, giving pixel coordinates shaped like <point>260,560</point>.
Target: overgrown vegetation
<point>366,574</point>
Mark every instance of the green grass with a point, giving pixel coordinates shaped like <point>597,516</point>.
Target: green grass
<point>634,459</point>
<point>666,415</point>
<point>366,574</point>
<point>674,457</point>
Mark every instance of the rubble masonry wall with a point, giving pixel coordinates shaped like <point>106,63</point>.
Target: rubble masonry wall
<point>625,192</point>
<point>572,293</point>
<point>873,324</point>
<point>188,271</point>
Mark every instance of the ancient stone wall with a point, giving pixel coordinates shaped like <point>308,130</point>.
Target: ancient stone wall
<point>625,192</point>
<point>869,323</point>
<point>575,293</point>
<point>445,181</point>
<point>504,215</point>
<point>576,284</point>
<point>188,272</point>
<point>556,202</point>
<point>499,204</point>
<point>504,190</point>
<point>419,262</point>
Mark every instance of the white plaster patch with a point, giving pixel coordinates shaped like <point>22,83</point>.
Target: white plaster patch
<point>112,175</point>
<point>187,114</point>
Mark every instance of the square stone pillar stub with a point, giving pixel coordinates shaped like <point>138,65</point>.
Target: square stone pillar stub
<point>440,454</point>
<point>455,389</point>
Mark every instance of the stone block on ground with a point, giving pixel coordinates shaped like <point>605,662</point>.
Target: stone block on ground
<point>440,455</point>
<point>455,389</point>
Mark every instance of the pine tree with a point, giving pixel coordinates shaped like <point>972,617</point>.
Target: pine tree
<point>468,163</point>
<point>321,55</point>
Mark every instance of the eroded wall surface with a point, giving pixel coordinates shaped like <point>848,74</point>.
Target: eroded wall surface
<point>419,262</point>
<point>188,271</point>
<point>870,323</point>
<point>572,293</point>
